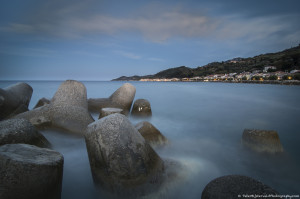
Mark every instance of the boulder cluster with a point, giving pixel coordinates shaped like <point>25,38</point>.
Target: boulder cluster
<point>122,156</point>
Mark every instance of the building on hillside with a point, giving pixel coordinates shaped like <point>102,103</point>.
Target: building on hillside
<point>295,71</point>
<point>266,68</point>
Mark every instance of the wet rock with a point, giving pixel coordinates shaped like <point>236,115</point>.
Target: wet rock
<point>67,110</point>
<point>233,186</point>
<point>15,131</point>
<point>30,172</point>
<point>108,111</point>
<point>262,140</point>
<point>121,98</point>
<point>120,158</point>
<point>43,101</point>
<point>141,107</point>
<point>151,134</point>
<point>14,100</point>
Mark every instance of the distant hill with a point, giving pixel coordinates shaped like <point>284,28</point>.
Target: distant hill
<point>285,60</point>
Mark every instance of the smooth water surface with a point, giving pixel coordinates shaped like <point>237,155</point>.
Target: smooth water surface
<point>204,123</point>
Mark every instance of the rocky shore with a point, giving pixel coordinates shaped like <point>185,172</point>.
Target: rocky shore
<point>122,156</point>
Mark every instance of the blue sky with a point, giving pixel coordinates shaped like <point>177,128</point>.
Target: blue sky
<point>102,40</point>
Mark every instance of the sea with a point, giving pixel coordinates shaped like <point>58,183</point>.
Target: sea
<point>204,123</point>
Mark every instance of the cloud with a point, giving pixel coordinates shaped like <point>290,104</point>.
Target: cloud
<point>127,54</point>
<point>26,51</point>
<point>156,26</point>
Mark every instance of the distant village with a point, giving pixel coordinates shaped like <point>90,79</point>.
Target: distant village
<point>269,73</point>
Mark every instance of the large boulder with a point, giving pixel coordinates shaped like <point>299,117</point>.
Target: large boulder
<point>141,107</point>
<point>120,158</point>
<point>151,134</point>
<point>108,111</point>
<point>30,172</point>
<point>235,186</point>
<point>14,99</point>
<point>67,110</point>
<point>69,107</point>
<point>262,140</point>
<point>121,98</point>
<point>15,131</point>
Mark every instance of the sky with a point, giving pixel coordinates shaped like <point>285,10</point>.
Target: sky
<point>106,39</point>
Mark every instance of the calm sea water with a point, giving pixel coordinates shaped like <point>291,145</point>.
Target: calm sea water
<point>204,123</point>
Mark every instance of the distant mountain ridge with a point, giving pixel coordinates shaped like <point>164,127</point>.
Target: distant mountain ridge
<point>285,60</point>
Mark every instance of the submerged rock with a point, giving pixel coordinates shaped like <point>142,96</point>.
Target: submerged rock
<point>262,140</point>
<point>121,98</point>
<point>15,131</point>
<point>43,101</point>
<point>108,111</point>
<point>120,159</point>
<point>151,134</point>
<point>235,186</point>
<point>141,107</point>
<point>14,99</point>
<point>30,172</point>
<point>67,110</point>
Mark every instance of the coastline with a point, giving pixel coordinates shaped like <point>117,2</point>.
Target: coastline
<point>285,82</point>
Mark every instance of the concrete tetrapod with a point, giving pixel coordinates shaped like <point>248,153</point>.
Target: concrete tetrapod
<point>142,108</point>
<point>236,186</point>
<point>121,160</point>
<point>121,98</point>
<point>43,101</point>
<point>15,131</point>
<point>14,99</point>
<point>67,110</point>
<point>108,111</point>
<point>30,172</point>
<point>262,140</point>
<point>151,134</point>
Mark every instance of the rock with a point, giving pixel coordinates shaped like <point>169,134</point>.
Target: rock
<point>43,101</point>
<point>67,110</point>
<point>108,111</point>
<point>233,186</point>
<point>15,131</point>
<point>14,99</point>
<point>120,158</point>
<point>121,98</point>
<point>262,140</point>
<point>151,134</point>
<point>39,117</point>
<point>141,107</point>
<point>30,172</point>
<point>69,107</point>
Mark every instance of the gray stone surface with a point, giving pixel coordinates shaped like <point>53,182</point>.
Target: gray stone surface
<point>67,110</point>
<point>14,99</point>
<point>121,98</point>
<point>141,107</point>
<point>151,134</point>
<point>108,111</point>
<point>39,117</point>
<point>232,186</point>
<point>30,172</point>
<point>262,140</point>
<point>43,101</point>
<point>15,131</point>
<point>120,158</point>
